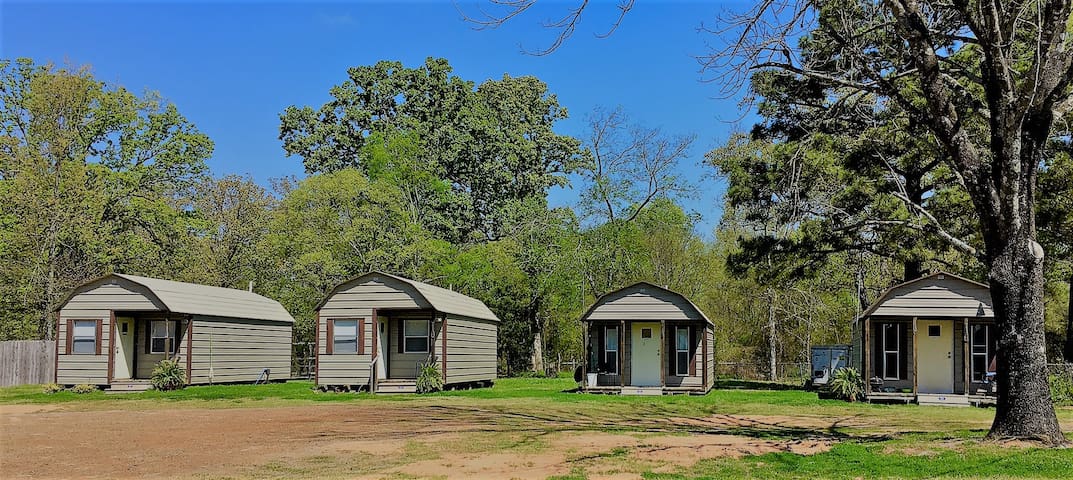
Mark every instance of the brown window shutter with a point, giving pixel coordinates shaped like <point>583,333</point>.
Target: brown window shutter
<point>99,338</point>
<point>672,350</point>
<point>178,337</point>
<point>70,336</point>
<point>903,350</point>
<point>402,340</point>
<point>361,337</point>
<point>692,351</point>
<point>601,333</point>
<point>329,336</point>
<point>877,358</point>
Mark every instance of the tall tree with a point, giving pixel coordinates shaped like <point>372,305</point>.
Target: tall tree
<point>493,143</point>
<point>90,173</point>
<point>629,166</point>
<point>987,78</point>
<point>235,212</point>
<point>1056,226</point>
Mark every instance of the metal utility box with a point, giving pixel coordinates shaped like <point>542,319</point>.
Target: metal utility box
<point>826,359</point>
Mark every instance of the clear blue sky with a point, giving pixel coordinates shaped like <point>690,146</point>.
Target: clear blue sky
<point>231,68</point>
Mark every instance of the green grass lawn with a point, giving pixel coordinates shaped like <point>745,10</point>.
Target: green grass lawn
<point>872,441</point>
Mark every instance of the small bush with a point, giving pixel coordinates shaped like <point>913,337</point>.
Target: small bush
<point>429,378</point>
<point>84,388</point>
<point>1062,389</point>
<point>847,384</point>
<point>51,388</point>
<point>168,375</point>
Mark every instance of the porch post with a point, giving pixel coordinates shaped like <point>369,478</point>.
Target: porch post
<point>866,342</point>
<point>914,355</point>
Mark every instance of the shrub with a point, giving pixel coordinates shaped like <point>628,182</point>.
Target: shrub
<point>51,388</point>
<point>847,384</point>
<point>84,388</point>
<point>429,378</point>
<point>1062,387</point>
<point>168,375</point>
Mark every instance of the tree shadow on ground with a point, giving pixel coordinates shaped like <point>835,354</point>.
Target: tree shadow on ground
<point>734,384</point>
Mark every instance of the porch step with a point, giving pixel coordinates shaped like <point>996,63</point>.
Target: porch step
<point>131,386</point>
<point>654,391</point>
<point>397,385</point>
<point>943,399</point>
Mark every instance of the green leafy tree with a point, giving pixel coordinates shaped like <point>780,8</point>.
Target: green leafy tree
<point>492,143</point>
<point>89,177</point>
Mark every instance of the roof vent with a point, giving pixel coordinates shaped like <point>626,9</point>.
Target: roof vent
<point>942,277</point>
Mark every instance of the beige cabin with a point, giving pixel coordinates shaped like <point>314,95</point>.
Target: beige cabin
<point>376,331</point>
<point>930,341</point>
<point>112,332</point>
<point>648,340</point>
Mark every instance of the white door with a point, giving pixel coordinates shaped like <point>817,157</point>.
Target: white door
<point>935,356</point>
<point>123,357</point>
<point>381,348</point>
<point>644,355</point>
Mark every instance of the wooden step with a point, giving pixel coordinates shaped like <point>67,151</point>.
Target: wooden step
<point>942,399</point>
<point>132,386</point>
<point>645,391</point>
<point>395,385</point>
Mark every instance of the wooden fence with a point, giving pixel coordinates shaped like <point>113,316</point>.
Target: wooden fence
<point>25,362</point>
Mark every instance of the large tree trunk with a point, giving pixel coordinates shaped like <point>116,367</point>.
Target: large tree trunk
<point>537,328</point>
<point>1024,407</point>
<point>1068,350</point>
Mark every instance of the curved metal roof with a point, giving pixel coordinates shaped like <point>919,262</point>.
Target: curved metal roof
<point>441,299</point>
<point>195,299</point>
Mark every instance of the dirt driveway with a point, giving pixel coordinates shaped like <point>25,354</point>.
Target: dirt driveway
<point>362,441</point>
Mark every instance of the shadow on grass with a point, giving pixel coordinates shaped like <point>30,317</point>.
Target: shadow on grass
<point>732,384</point>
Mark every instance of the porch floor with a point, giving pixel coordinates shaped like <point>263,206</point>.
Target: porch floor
<point>945,399</point>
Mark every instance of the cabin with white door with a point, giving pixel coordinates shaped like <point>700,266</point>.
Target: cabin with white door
<point>930,341</point>
<point>647,340</point>
<point>112,332</point>
<point>376,332</point>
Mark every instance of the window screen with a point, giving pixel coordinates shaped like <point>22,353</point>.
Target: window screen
<point>160,333</point>
<point>611,349</point>
<point>891,352</point>
<point>84,337</point>
<point>345,336</point>
<point>681,351</point>
<point>981,334</point>
<point>415,333</point>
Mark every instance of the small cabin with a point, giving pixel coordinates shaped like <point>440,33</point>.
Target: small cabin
<point>647,340</point>
<point>930,341</point>
<point>375,333</point>
<point>113,331</point>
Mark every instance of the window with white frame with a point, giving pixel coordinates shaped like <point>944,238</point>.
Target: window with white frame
<point>345,336</point>
<point>415,336</point>
<point>891,351</point>
<point>162,334</point>
<point>611,349</point>
<point>84,337</point>
<point>681,351</point>
<point>981,336</point>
